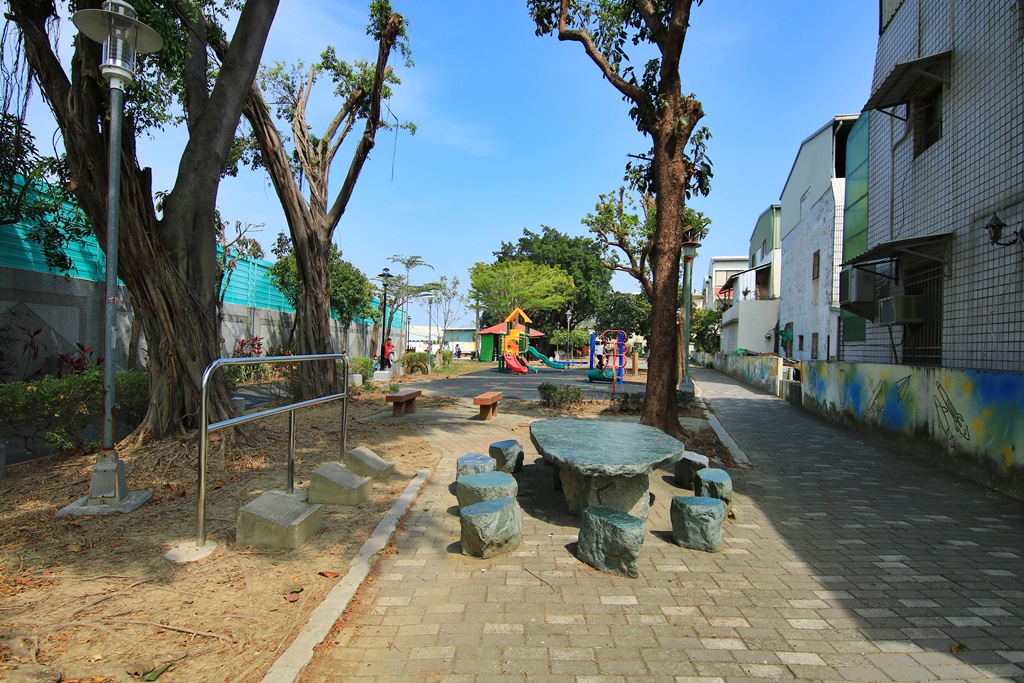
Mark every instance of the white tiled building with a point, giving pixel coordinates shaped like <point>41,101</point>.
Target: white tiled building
<point>945,133</point>
<point>812,243</point>
<point>719,271</point>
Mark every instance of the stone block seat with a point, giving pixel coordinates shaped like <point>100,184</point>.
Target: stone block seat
<point>687,467</point>
<point>488,402</point>
<point>334,484</point>
<point>713,483</point>
<point>491,528</point>
<point>610,540</point>
<point>477,488</point>
<point>403,402</point>
<point>473,463</point>
<point>277,520</point>
<point>697,522</point>
<point>508,455</point>
<point>365,463</point>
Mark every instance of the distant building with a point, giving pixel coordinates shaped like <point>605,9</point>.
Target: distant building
<point>720,270</point>
<point>751,321</point>
<point>812,243</point>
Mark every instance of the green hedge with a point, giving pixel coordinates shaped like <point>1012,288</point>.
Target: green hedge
<point>62,411</point>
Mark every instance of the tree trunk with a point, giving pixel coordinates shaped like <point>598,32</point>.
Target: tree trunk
<point>168,265</point>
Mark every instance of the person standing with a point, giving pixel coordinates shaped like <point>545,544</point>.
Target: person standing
<point>599,354</point>
<point>389,353</point>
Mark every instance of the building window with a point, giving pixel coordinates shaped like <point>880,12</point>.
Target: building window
<point>814,346</point>
<point>764,248</point>
<point>800,343</point>
<point>816,265</point>
<point>927,118</point>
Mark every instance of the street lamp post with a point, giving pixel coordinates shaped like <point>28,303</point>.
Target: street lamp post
<point>568,332</point>
<point>689,251</point>
<point>430,330</point>
<point>123,36</point>
<point>384,277</point>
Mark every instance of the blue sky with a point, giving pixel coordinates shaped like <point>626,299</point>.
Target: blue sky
<point>518,131</point>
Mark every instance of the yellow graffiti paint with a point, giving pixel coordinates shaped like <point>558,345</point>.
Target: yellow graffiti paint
<point>1008,458</point>
<point>947,382</point>
<point>979,424</point>
<point>967,386</point>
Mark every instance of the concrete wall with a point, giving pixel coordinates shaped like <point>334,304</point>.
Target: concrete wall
<point>70,311</point>
<point>762,372</point>
<point>965,420</point>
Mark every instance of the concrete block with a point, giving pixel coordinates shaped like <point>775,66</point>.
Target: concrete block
<point>334,484</point>
<point>355,379</point>
<point>713,483</point>
<point>477,488</point>
<point>610,541</point>
<point>277,520</point>
<point>687,467</point>
<point>474,463</point>
<point>508,455</point>
<point>366,463</point>
<point>697,522</point>
<point>381,375</point>
<point>491,528</point>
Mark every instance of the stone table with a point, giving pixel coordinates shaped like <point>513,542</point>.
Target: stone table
<point>604,463</point>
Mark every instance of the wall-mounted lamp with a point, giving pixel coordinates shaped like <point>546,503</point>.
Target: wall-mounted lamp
<point>995,227</point>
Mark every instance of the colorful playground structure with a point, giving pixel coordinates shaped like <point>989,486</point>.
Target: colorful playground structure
<point>613,367</point>
<point>515,344</point>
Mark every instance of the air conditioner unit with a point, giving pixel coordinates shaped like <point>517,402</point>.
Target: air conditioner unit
<point>901,310</point>
<point>856,285</point>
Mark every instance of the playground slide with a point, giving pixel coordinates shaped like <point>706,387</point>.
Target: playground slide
<point>514,365</point>
<point>545,360</point>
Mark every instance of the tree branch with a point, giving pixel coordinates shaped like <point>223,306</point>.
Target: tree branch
<point>582,36</point>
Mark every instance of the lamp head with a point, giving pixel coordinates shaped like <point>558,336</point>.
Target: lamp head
<point>995,227</point>
<point>123,36</point>
<point>690,249</point>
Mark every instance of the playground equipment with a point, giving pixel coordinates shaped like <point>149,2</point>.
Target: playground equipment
<point>514,344</point>
<point>614,369</point>
<point>544,359</point>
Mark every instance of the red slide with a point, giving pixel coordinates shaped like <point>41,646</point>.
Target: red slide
<point>513,363</point>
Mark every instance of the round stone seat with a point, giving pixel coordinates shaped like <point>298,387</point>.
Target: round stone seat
<point>474,463</point>
<point>491,528</point>
<point>697,522</point>
<point>687,467</point>
<point>713,483</point>
<point>477,488</point>
<point>508,455</point>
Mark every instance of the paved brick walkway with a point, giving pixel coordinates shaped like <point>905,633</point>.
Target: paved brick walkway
<point>848,562</point>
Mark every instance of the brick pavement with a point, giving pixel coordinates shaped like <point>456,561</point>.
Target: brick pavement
<point>848,562</point>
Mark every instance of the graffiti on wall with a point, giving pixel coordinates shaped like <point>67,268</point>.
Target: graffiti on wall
<point>973,414</point>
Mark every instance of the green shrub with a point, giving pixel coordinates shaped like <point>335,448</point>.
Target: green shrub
<point>628,404</point>
<point>362,366</point>
<point>563,397</point>
<point>446,357</point>
<point>633,404</point>
<point>61,411</point>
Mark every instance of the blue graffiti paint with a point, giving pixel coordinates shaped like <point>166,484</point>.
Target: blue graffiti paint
<point>994,388</point>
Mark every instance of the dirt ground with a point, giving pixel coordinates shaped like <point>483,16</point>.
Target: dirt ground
<point>92,599</point>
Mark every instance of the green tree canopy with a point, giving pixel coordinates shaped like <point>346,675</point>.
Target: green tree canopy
<point>630,313</point>
<point>580,257</point>
<point>503,286</point>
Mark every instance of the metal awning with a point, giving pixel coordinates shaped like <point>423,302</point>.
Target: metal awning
<point>732,279</point>
<point>905,80</point>
<point>888,251</point>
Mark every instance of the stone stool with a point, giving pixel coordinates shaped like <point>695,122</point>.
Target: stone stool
<point>687,467</point>
<point>610,540</point>
<point>508,455</point>
<point>697,522</point>
<point>477,488</point>
<point>713,483</point>
<point>491,528</point>
<point>474,463</point>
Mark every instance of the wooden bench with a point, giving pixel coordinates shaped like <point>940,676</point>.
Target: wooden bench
<point>488,402</point>
<point>404,402</point>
